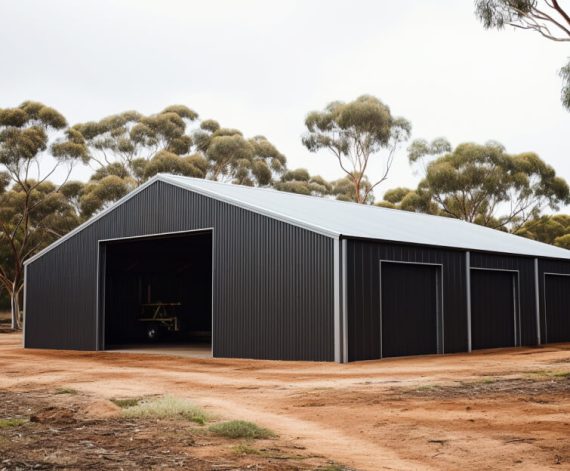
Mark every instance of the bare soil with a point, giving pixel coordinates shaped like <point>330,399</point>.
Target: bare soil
<point>507,409</point>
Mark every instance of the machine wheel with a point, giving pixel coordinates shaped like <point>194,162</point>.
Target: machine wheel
<point>153,333</point>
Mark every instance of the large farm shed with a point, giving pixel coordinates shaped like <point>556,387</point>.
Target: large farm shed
<point>257,273</point>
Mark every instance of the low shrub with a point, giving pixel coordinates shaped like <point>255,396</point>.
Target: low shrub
<point>126,403</point>
<point>240,429</point>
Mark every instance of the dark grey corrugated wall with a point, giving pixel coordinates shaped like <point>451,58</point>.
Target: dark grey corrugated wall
<point>363,293</point>
<point>524,267</point>
<point>363,296</point>
<point>273,282</point>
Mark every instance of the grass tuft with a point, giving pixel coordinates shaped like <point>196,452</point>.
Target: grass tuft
<point>66,391</point>
<point>240,429</point>
<point>546,374</point>
<point>245,449</point>
<point>166,407</point>
<point>7,423</point>
<point>126,403</point>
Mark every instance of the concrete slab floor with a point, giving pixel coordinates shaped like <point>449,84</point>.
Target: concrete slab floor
<point>185,350</point>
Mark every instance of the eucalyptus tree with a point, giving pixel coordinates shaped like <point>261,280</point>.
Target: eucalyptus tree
<point>300,181</point>
<point>32,212</point>
<point>552,229</point>
<point>126,148</point>
<point>546,17</point>
<point>130,139</point>
<point>482,184</point>
<point>356,133</point>
<point>233,158</point>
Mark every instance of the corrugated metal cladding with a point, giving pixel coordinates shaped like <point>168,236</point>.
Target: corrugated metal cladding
<point>554,280</point>
<point>523,268</point>
<point>363,292</point>
<point>494,309</point>
<point>273,282</point>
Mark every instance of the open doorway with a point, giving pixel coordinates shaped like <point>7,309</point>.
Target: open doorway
<point>157,293</point>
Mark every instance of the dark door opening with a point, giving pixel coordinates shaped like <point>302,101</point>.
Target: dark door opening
<point>557,308</point>
<point>493,309</point>
<point>158,291</point>
<point>410,306</point>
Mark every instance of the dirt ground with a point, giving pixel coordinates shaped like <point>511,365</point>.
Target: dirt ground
<point>506,409</point>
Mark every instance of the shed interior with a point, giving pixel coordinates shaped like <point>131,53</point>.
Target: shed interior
<point>158,291</point>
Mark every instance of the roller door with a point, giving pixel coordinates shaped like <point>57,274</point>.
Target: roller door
<point>409,308</point>
<point>557,308</point>
<point>493,309</point>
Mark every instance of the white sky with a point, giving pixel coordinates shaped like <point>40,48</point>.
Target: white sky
<point>260,66</point>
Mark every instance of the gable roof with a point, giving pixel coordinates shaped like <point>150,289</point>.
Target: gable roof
<point>340,218</point>
<point>337,219</point>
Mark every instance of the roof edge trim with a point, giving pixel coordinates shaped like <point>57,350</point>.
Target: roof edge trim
<point>253,208</point>
<point>87,223</point>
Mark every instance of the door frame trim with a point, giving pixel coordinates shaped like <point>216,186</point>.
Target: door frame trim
<point>440,330</point>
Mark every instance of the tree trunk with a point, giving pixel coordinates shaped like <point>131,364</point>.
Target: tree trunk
<point>15,307</point>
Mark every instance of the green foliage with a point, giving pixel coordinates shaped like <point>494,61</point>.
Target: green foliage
<point>232,157</point>
<point>130,139</point>
<point>565,93</point>
<point>353,133</point>
<point>9,423</point>
<point>126,403</point>
<point>301,182</point>
<point>552,229</point>
<point>549,19</point>
<point>245,449</point>
<point>167,407</point>
<point>69,391</point>
<point>499,13</point>
<point>241,429</point>
<point>344,189</point>
<point>33,212</point>
<point>134,148</point>
<point>167,162</point>
<point>481,184</point>
<point>100,193</point>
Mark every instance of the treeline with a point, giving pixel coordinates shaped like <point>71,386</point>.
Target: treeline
<point>480,183</point>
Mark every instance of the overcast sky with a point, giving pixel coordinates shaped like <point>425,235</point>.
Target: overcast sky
<point>260,66</point>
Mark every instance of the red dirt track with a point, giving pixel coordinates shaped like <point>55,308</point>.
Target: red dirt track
<point>506,409</point>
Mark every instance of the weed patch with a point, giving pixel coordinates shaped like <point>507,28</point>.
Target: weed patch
<point>240,429</point>
<point>126,403</point>
<point>245,449</point>
<point>167,407</point>
<point>7,423</point>
<point>66,391</point>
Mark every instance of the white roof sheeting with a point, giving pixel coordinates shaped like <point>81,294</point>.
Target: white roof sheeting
<point>339,218</point>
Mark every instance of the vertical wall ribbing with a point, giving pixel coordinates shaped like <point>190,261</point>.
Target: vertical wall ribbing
<point>273,282</point>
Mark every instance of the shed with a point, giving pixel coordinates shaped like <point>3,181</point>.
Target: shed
<point>258,273</point>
